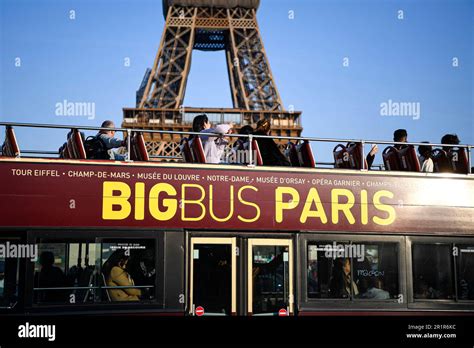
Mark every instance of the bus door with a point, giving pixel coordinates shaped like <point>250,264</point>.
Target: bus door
<point>213,276</point>
<point>270,277</point>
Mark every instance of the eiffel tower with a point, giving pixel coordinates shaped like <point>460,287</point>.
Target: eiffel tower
<point>208,25</point>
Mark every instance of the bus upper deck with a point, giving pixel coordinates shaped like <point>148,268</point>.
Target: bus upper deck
<point>347,154</point>
<point>241,239</point>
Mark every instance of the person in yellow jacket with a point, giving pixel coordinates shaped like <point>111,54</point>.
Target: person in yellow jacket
<point>115,274</point>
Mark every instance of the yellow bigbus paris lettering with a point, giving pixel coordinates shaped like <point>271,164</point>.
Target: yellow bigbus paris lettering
<point>251,204</point>
<point>164,202</point>
<point>170,204</point>
<point>391,214</point>
<point>342,204</point>
<point>111,200</point>
<point>185,201</point>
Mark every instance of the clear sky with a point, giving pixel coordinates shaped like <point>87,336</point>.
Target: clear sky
<point>389,58</point>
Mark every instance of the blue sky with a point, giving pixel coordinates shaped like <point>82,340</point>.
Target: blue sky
<point>408,60</point>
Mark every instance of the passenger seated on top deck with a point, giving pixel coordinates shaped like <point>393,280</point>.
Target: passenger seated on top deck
<point>214,146</point>
<point>240,142</point>
<point>371,155</point>
<point>449,139</point>
<point>271,154</point>
<point>400,135</point>
<point>426,161</point>
<point>237,155</point>
<point>109,141</point>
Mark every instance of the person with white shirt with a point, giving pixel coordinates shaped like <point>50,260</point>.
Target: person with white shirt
<point>426,161</point>
<point>214,146</point>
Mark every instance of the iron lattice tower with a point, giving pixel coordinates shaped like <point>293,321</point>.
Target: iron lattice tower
<point>208,25</point>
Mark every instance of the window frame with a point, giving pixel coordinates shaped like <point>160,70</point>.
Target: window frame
<point>434,304</point>
<point>13,307</point>
<point>83,235</point>
<point>318,304</point>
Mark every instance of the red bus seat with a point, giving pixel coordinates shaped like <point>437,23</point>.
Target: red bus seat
<point>70,148</point>
<point>409,161</point>
<point>78,144</point>
<point>292,154</point>
<point>257,159</point>
<point>341,157</point>
<point>66,152</point>
<point>185,150</point>
<point>459,160</point>
<point>63,153</point>
<point>451,161</point>
<point>305,155</point>
<point>441,161</point>
<point>138,150</point>
<point>404,159</point>
<point>257,155</point>
<point>73,148</point>
<point>390,158</point>
<point>10,147</point>
<point>197,150</point>
<point>349,156</point>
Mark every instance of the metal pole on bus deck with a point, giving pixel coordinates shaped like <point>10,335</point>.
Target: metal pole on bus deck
<point>469,159</point>
<point>250,150</point>
<point>363,155</point>
<point>129,133</point>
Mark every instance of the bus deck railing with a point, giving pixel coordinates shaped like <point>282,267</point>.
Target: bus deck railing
<point>129,132</point>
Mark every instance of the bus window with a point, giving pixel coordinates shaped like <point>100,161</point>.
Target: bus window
<point>129,263</point>
<point>66,272</point>
<point>329,271</point>
<point>8,281</point>
<point>432,271</point>
<point>465,269</point>
<point>376,272</point>
<point>95,271</point>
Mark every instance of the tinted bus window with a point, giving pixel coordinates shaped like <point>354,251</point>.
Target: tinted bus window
<point>8,278</point>
<point>465,270</point>
<point>433,271</point>
<point>328,272</point>
<point>353,270</point>
<point>65,271</point>
<point>129,263</point>
<point>376,274</point>
<point>94,272</point>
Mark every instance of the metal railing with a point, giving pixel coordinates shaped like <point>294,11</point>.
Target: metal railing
<point>250,137</point>
<point>95,287</point>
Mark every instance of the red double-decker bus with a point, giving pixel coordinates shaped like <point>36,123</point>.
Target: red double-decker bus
<point>154,237</point>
